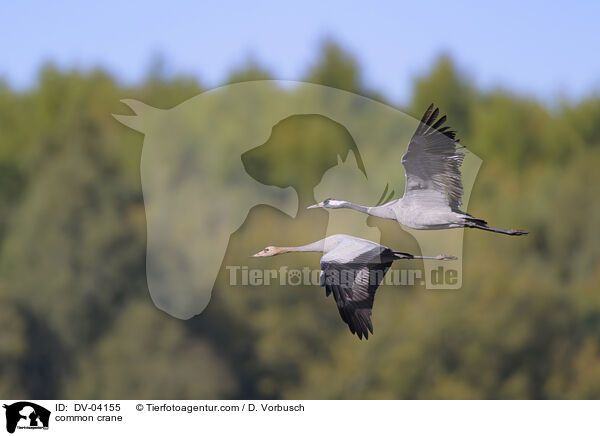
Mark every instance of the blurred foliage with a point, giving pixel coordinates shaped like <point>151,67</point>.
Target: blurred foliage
<point>336,68</point>
<point>76,320</point>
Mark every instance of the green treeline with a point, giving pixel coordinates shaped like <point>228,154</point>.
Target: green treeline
<point>77,321</point>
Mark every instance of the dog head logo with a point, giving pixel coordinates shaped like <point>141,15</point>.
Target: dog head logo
<point>26,415</point>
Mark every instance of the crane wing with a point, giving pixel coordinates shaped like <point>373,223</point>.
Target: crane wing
<point>353,285</point>
<point>432,162</point>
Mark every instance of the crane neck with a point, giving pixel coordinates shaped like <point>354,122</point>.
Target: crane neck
<point>317,246</point>
<point>383,211</point>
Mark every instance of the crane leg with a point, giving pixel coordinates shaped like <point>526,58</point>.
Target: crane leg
<point>511,232</point>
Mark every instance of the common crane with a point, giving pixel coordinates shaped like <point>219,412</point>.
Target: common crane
<point>433,189</point>
<point>352,269</point>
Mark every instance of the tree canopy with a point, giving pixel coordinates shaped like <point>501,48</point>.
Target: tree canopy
<point>77,320</point>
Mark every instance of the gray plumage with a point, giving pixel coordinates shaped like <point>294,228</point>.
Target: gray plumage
<point>432,162</point>
<point>351,269</point>
<point>433,190</point>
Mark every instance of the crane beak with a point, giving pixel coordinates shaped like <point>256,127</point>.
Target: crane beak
<point>314,206</point>
<point>259,254</point>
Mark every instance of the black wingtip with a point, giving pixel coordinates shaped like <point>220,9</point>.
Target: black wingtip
<point>361,335</point>
<point>433,116</point>
<point>361,327</point>
<point>429,125</point>
<point>426,114</point>
<point>439,122</point>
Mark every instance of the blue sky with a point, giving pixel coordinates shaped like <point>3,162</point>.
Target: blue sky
<point>543,49</point>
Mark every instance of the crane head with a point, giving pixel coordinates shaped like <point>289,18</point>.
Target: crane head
<point>329,203</point>
<point>267,251</point>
